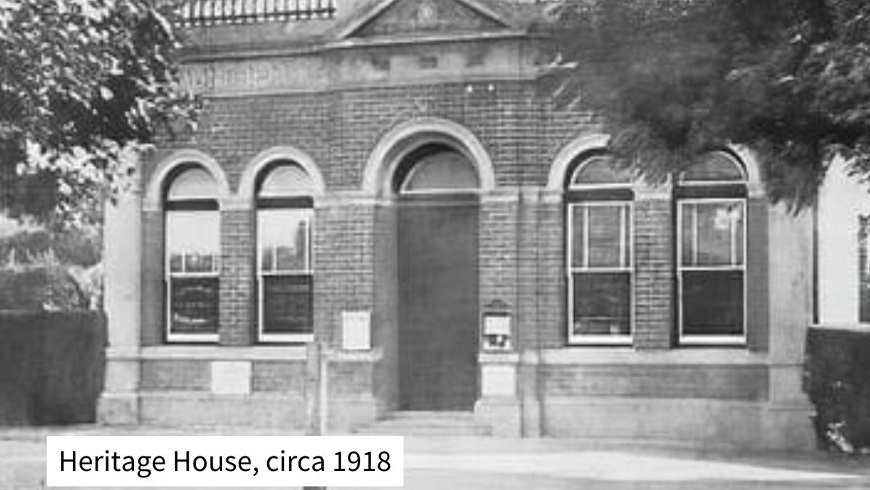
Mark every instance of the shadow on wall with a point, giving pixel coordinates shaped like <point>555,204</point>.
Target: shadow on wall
<point>51,366</point>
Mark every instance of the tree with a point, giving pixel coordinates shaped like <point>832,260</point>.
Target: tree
<point>670,79</point>
<point>83,83</point>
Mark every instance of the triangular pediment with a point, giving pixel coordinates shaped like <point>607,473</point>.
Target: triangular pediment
<point>397,17</point>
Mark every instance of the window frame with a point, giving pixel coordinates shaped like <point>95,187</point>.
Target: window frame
<point>294,202</point>
<point>192,205</point>
<point>711,192</point>
<point>583,197</point>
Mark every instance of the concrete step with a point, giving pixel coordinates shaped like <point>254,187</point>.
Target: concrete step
<point>427,424</point>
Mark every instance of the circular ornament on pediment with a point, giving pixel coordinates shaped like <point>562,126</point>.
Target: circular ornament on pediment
<point>427,14</point>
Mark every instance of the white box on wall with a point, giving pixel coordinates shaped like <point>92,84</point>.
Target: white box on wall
<point>356,330</point>
<point>231,378</point>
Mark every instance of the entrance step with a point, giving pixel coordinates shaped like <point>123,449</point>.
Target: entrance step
<point>420,423</point>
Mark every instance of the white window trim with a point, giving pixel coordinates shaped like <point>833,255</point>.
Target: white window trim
<point>263,336</point>
<point>613,340</point>
<point>735,340</point>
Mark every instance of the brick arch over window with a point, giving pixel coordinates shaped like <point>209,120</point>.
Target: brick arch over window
<point>568,156</point>
<point>569,153</point>
<point>279,153</point>
<point>167,169</point>
<point>745,157</point>
<point>407,137</point>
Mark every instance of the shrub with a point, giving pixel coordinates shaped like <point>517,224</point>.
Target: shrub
<point>51,366</point>
<point>40,287</point>
<point>72,247</point>
<point>836,379</point>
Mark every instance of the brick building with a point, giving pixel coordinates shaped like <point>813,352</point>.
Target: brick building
<point>387,178</point>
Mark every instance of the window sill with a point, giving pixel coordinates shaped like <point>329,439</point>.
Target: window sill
<point>277,339</point>
<point>210,352</point>
<point>192,338</point>
<point>224,353</point>
<point>713,341</point>
<point>600,340</point>
<point>855,327</point>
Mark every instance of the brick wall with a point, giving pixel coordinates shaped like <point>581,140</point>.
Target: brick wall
<point>654,273</point>
<point>498,252</point>
<point>343,266</point>
<point>522,228</point>
<point>237,308</point>
<point>551,286</point>
<point>278,376</point>
<point>179,375</point>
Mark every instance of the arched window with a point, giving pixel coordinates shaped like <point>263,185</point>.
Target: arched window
<point>600,253</point>
<point>192,242</point>
<point>434,168</point>
<point>284,272</point>
<point>711,250</point>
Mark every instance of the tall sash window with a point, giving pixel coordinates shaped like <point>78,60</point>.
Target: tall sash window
<point>192,244</point>
<point>284,266</point>
<point>600,253</point>
<point>711,265</point>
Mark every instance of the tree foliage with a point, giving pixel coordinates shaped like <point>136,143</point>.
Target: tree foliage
<point>83,84</point>
<point>670,79</point>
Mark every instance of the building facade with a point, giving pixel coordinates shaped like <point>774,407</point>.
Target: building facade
<point>387,178</point>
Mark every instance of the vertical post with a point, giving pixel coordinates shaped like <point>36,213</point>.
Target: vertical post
<point>316,390</point>
<point>323,398</point>
<point>312,389</point>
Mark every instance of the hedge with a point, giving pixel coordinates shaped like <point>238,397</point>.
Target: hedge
<point>837,380</point>
<point>51,366</point>
<point>40,287</point>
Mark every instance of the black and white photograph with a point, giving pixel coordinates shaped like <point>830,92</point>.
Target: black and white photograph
<point>428,244</point>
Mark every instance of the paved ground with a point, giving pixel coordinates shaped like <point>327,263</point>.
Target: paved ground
<point>457,463</point>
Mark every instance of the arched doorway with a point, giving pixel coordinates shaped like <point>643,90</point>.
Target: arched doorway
<point>435,188</point>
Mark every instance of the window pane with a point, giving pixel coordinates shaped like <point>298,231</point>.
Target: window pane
<point>687,232</point>
<point>267,257</point>
<point>600,170</point>
<point>715,167</point>
<point>626,237</point>
<point>577,230</point>
<point>712,302</point>
<point>195,183</point>
<point>196,262</point>
<point>286,180</point>
<point>602,303</point>
<point>287,304</point>
<point>712,233</point>
<point>176,262</point>
<point>605,236</point>
<point>194,305</point>
<point>195,237</point>
<point>284,233</point>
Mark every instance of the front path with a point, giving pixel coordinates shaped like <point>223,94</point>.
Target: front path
<point>459,463</point>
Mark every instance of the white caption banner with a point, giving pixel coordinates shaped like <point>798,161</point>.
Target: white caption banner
<point>224,461</point>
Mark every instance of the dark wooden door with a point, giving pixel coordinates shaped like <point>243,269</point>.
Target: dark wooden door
<point>438,303</point>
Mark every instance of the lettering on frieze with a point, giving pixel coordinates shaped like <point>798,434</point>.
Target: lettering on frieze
<point>254,75</point>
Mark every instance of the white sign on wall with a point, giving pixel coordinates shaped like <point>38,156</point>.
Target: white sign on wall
<point>356,330</point>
